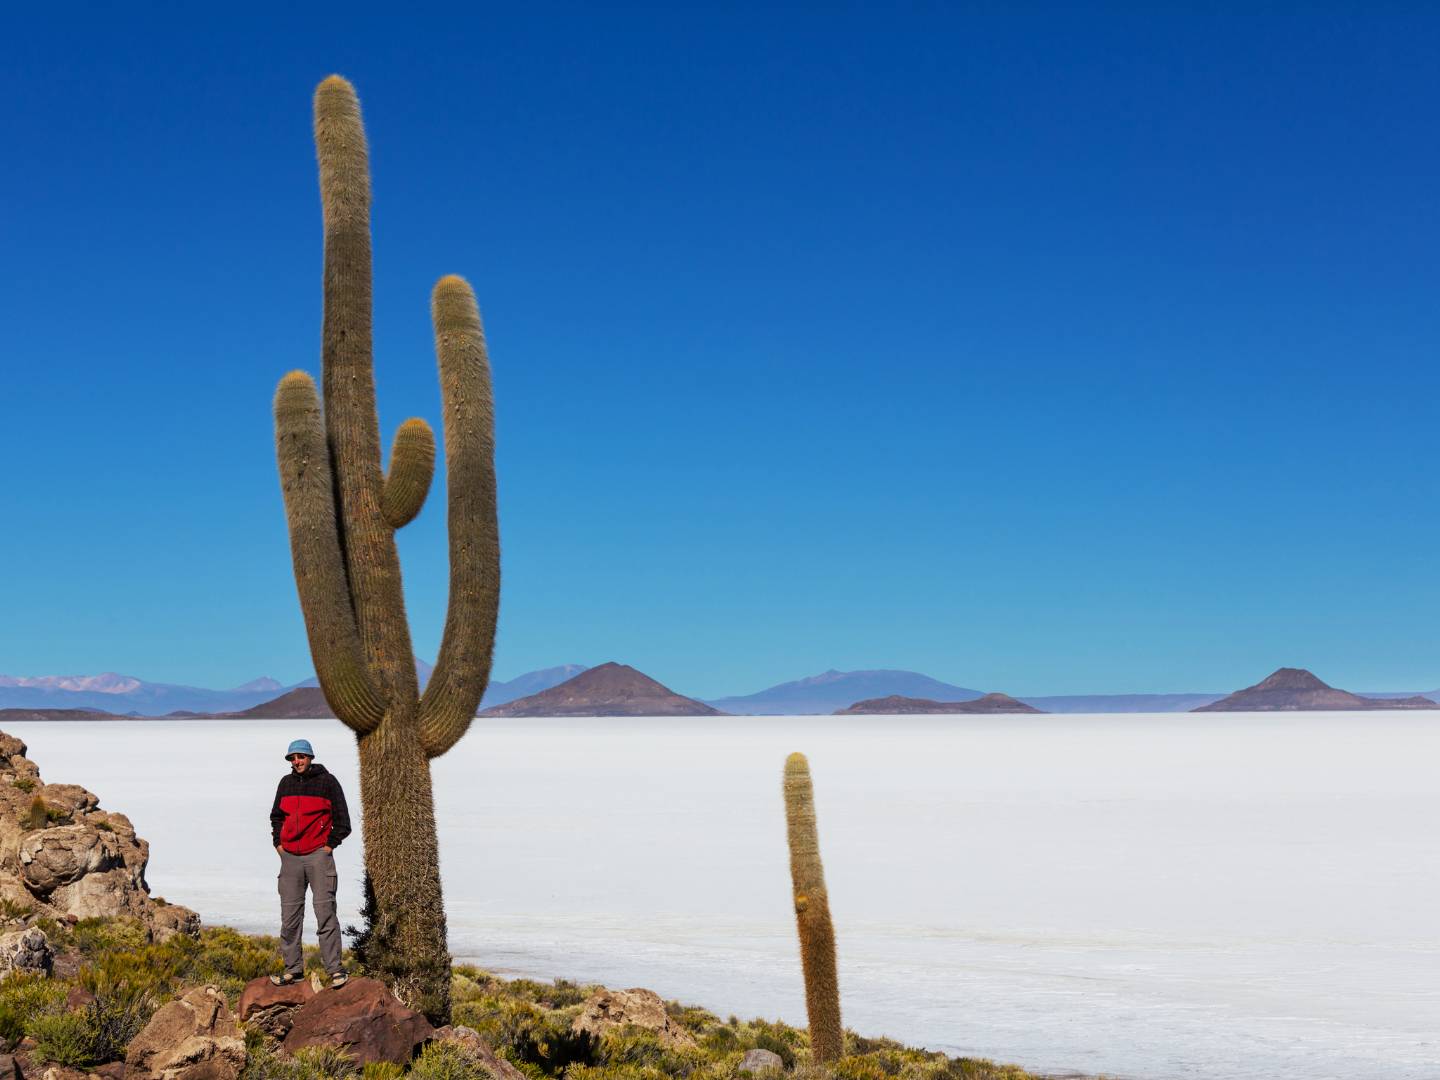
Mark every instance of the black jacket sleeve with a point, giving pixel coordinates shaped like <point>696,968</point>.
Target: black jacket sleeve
<point>339,814</point>
<point>277,817</point>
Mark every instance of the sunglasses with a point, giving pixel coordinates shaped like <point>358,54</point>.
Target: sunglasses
<point>298,757</point>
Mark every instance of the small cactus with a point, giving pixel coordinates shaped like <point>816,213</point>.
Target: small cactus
<point>39,817</point>
<point>812,914</point>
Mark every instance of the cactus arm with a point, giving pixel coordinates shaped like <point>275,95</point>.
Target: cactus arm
<point>812,914</point>
<point>462,668</point>
<point>367,541</point>
<point>305,479</point>
<point>412,465</point>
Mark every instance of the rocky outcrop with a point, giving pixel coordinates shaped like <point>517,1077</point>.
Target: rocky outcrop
<point>272,1008</point>
<point>473,1045</point>
<point>26,952</point>
<point>605,1010</point>
<point>191,1038</point>
<point>364,1019</point>
<point>61,856</point>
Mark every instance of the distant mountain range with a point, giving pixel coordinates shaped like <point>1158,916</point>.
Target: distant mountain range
<point>825,693</point>
<point>838,689</point>
<point>123,695</point>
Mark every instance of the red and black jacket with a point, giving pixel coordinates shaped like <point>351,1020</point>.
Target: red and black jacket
<point>309,812</point>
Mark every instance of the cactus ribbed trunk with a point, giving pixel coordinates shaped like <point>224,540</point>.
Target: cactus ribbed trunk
<point>407,946</point>
<point>812,914</point>
<point>343,512</point>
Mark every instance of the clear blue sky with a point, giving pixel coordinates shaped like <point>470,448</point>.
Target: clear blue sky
<point>1045,352</point>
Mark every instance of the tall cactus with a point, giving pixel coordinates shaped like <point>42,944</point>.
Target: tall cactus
<point>812,914</point>
<point>343,513</point>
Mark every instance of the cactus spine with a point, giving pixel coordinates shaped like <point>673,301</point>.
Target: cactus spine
<point>812,914</point>
<point>343,512</point>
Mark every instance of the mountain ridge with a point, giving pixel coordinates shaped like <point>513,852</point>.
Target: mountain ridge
<point>831,690</point>
<point>895,705</point>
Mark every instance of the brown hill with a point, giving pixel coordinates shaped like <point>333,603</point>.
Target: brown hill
<point>608,690</point>
<point>302,703</point>
<point>31,716</point>
<point>895,705</point>
<point>1297,690</point>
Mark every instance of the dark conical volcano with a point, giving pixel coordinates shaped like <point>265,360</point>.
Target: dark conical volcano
<point>1296,690</point>
<point>608,690</point>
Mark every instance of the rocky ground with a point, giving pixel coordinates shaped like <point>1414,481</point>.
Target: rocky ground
<point>100,979</point>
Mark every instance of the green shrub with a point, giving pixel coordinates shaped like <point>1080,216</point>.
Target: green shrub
<point>26,784</point>
<point>631,1045</point>
<point>858,1068</point>
<point>527,1034</point>
<point>95,936</point>
<point>778,1039</point>
<point>325,1063</point>
<point>62,1039</point>
<point>262,1062</point>
<point>381,1070</point>
<point>98,1033</point>
<point>23,998</point>
<point>614,1072</point>
<point>113,1020</point>
<point>446,1061</point>
<point>10,910</point>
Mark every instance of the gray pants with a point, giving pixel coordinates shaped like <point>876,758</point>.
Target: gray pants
<point>317,870</point>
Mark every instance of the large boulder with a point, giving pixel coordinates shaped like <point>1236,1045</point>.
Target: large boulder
<point>364,1019</point>
<point>68,798</point>
<point>64,854</point>
<point>26,952</point>
<point>606,1010</point>
<point>167,920</point>
<point>759,1060</point>
<point>473,1045</point>
<point>269,1007</point>
<point>191,1038</point>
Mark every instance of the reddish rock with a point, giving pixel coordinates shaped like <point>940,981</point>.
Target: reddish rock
<point>9,1069</point>
<point>75,999</point>
<point>111,1070</point>
<point>473,1045</point>
<point>192,1038</point>
<point>362,1018</point>
<point>269,1007</point>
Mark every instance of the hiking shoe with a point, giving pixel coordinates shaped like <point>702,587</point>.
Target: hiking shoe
<point>337,981</point>
<point>285,980</point>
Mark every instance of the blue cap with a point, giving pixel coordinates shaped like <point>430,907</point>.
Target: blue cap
<point>300,746</point>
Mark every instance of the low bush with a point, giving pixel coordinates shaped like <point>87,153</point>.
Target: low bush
<point>446,1061</point>
<point>23,999</point>
<point>62,1039</point>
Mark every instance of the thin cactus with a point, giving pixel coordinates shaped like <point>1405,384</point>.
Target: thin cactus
<point>343,513</point>
<point>812,914</point>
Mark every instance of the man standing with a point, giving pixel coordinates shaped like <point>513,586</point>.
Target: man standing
<point>308,820</point>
